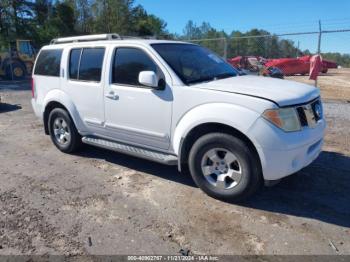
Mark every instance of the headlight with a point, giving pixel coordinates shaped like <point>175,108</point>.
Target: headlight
<point>285,118</point>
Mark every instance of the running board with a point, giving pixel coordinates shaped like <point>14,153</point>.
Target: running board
<point>131,150</point>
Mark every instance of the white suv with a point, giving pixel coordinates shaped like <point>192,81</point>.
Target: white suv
<point>179,104</point>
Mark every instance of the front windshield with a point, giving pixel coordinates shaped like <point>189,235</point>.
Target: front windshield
<point>193,63</point>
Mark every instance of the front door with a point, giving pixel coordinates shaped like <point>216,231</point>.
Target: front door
<point>134,113</point>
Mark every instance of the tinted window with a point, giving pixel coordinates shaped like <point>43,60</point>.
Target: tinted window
<point>74,63</point>
<point>48,63</point>
<point>193,63</point>
<point>128,63</point>
<point>91,64</point>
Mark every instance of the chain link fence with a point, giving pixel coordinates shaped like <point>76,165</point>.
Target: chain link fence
<point>284,55</point>
<point>287,53</point>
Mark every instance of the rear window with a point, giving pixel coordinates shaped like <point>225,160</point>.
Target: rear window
<point>86,64</point>
<point>48,63</point>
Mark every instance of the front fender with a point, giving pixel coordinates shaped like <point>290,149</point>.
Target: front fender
<point>238,117</point>
<point>57,95</point>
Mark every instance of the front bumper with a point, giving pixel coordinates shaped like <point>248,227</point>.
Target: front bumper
<point>282,154</point>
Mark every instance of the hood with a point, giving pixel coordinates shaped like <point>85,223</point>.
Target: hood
<point>282,92</point>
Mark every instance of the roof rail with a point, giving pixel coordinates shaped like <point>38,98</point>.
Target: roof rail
<point>85,38</point>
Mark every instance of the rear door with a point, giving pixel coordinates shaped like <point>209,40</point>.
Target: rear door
<point>83,83</point>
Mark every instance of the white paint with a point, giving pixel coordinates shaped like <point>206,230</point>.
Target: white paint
<point>160,119</point>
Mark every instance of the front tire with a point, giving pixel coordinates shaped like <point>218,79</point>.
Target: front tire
<point>225,167</point>
<point>63,132</point>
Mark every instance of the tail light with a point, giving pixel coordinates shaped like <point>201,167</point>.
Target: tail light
<point>33,88</point>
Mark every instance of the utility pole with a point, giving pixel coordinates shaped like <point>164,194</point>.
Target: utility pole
<point>319,37</point>
<point>298,49</point>
<point>225,48</point>
<point>319,42</point>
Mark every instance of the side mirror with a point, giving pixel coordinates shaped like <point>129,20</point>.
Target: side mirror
<point>150,79</point>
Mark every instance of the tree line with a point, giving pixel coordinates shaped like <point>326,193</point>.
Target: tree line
<point>43,20</point>
<point>255,42</point>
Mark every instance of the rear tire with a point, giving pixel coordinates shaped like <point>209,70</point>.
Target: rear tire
<point>15,71</point>
<point>225,167</point>
<point>63,132</point>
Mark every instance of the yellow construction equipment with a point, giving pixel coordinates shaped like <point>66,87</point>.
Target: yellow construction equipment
<point>17,60</point>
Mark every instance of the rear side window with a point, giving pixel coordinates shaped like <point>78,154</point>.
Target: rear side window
<point>74,63</point>
<point>86,64</point>
<point>49,63</point>
<point>127,65</point>
<point>91,64</point>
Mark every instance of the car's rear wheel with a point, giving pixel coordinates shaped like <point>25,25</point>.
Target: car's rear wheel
<point>15,71</point>
<point>225,167</point>
<point>63,132</point>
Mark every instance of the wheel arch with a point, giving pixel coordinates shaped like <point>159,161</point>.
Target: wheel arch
<point>49,107</point>
<point>206,128</point>
<point>58,99</point>
<point>237,117</point>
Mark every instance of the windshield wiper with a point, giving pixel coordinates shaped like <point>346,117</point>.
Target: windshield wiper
<point>210,78</point>
<point>224,75</point>
<point>200,80</point>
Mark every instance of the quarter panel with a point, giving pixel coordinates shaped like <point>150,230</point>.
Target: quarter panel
<point>61,97</point>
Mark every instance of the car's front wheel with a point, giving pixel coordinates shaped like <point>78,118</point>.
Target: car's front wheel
<point>63,131</point>
<point>225,167</point>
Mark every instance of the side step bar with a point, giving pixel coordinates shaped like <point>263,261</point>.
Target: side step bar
<point>131,150</point>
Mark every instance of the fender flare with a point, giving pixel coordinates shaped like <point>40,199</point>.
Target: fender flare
<point>214,113</point>
<point>58,96</point>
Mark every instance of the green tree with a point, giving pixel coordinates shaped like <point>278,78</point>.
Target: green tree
<point>60,22</point>
<point>145,24</point>
<point>112,16</point>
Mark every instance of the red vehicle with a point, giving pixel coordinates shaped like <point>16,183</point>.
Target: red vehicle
<point>298,66</point>
<point>250,63</point>
<point>329,64</point>
<point>254,65</point>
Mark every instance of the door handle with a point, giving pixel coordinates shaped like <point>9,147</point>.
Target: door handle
<point>112,95</point>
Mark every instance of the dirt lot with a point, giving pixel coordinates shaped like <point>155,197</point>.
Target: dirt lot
<point>99,202</point>
<point>334,85</point>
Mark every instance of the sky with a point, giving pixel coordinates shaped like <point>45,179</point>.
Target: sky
<point>276,16</point>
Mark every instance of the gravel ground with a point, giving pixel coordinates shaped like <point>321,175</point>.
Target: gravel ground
<point>334,85</point>
<point>100,202</point>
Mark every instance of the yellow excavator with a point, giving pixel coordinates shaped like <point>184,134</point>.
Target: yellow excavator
<point>17,60</point>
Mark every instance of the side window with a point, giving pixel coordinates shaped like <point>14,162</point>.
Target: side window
<point>74,63</point>
<point>91,64</point>
<point>86,64</point>
<point>127,65</point>
<point>49,63</point>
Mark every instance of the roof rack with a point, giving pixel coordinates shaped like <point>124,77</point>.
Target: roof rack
<point>85,38</point>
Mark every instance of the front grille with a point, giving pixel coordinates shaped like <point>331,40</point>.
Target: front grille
<point>310,114</point>
<point>302,116</point>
